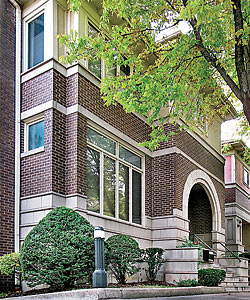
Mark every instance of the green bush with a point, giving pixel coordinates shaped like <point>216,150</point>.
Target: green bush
<point>211,277</point>
<point>153,257</point>
<point>59,250</point>
<point>10,264</point>
<point>188,282</point>
<point>122,255</point>
<point>245,255</point>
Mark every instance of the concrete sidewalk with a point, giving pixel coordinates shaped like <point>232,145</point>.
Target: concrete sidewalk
<point>124,293</point>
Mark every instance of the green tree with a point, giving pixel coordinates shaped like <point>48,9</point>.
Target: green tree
<point>193,76</point>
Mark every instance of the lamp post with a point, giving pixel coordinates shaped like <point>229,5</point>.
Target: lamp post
<point>99,275</point>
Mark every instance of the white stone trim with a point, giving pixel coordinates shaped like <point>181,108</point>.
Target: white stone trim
<point>31,152</point>
<point>235,209</point>
<point>199,176</point>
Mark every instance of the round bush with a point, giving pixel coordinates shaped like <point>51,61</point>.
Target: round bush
<point>59,250</point>
<point>122,255</point>
<point>211,277</point>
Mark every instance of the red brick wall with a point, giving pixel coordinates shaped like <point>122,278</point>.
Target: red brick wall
<point>7,129</point>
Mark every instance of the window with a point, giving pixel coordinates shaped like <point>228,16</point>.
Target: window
<point>94,65</point>
<point>246,177</point>
<point>35,135</point>
<point>36,41</point>
<point>114,178</point>
<point>97,65</point>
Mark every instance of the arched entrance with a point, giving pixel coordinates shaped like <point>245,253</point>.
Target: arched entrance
<point>199,180</point>
<point>200,214</point>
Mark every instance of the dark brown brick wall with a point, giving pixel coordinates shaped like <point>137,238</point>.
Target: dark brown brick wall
<point>235,195</point>
<point>36,169</point>
<point>59,88</point>
<point>148,186</point>
<point>196,151</point>
<point>131,125</point>
<point>76,154</point>
<point>169,175</point>
<point>58,152</point>
<point>164,185</point>
<point>7,133</point>
<point>37,90</point>
<point>230,195</point>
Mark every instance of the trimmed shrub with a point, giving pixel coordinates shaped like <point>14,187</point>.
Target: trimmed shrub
<point>10,264</point>
<point>211,277</point>
<point>59,250</point>
<point>153,257</point>
<point>122,255</point>
<point>188,282</point>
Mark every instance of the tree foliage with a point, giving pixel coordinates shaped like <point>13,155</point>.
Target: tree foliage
<point>193,76</point>
<point>122,255</point>
<point>10,264</point>
<point>59,250</point>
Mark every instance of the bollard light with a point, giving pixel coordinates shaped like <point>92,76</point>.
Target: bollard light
<point>99,275</point>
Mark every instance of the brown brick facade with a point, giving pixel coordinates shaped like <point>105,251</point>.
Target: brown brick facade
<point>235,195</point>
<point>36,170</point>
<point>7,131</point>
<point>65,171</point>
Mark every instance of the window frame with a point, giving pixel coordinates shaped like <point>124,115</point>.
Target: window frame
<point>246,171</point>
<point>27,124</point>
<point>131,167</point>
<point>26,21</point>
<point>94,23</point>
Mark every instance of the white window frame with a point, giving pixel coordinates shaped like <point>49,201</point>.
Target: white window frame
<point>31,17</point>
<point>246,171</point>
<point>27,124</point>
<point>131,167</point>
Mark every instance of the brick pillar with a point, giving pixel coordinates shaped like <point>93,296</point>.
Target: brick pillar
<point>7,129</point>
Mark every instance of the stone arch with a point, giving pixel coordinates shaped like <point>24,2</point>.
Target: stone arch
<point>200,177</point>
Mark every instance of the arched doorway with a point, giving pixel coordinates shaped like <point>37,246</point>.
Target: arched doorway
<point>200,214</point>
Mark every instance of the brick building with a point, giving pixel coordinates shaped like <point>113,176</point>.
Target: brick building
<point>237,205</point>
<point>71,150</point>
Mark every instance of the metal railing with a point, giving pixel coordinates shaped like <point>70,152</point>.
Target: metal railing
<point>204,243</point>
<point>231,252</point>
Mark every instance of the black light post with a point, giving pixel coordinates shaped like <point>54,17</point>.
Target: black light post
<point>99,276</point>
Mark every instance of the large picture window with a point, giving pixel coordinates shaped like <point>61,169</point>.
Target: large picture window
<point>114,178</point>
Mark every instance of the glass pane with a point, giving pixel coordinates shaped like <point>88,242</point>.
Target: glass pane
<point>124,70</point>
<point>136,197</point>
<point>109,187</point>
<point>94,65</point>
<point>36,41</point>
<point>130,157</point>
<point>36,135</point>
<point>93,180</point>
<point>123,192</point>
<point>100,140</point>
